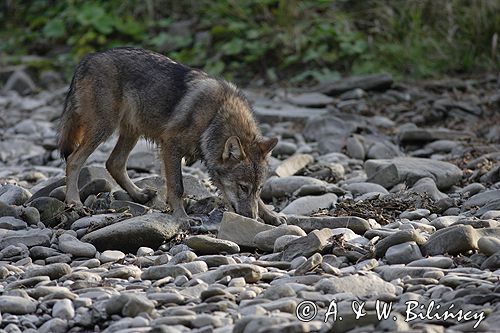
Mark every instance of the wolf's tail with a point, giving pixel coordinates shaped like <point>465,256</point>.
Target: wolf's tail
<point>70,127</point>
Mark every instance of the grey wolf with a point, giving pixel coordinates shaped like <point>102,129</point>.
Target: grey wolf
<point>186,112</point>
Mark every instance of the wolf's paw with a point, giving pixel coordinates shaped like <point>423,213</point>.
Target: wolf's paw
<point>79,208</point>
<point>74,203</point>
<point>188,220</point>
<point>274,218</point>
<point>144,195</point>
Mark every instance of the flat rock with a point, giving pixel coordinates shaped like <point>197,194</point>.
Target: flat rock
<point>362,188</point>
<point>310,204</point>
<point>277,187</point>
<point>409,170</point>
<point>11,223</point>
<point>54,325</point>
<point>360,286</point>
<point>53,271</point>
<point>7,210</point>
<point>327,127</point>
<point>315,241</point>
<point>29,238</point>
<point>16,305</point>
<point>489,245</point>
<point>14,195</point>
<point>493,262</point>
<point>265,240</point>
<point>438,261</point>
<point>313,99</point>
<point>63,309</point>
<point>293,164</point>
<point>93,172</point>
<point>70,244</point>
<point>453,240</point>
<point>383,149</point>
<point>44,188</point>
<point>162,271</point>
<point>428,187</point>
<point>281,242</point>
<point>393,272</point>
<point>423,135</point>
<point>202,244</point>
<point>310,264</point>
<point>111,256</point>
<point>403,253</point>
<point>129,235</point>
<point>355,147</point>
<point>129,305</point>
<point>49,208</point>
<point>481,199</point>
<point>310,223</point>
<point>95,187</point>
<point>398,237</point>
<point>251,273</point>
<point>381,81</point>
<point>240,230</point>
<point>285,112</point>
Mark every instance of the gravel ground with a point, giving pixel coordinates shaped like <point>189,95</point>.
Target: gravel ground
<point>391,192</point>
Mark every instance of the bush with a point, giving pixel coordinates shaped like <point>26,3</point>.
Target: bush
<point>290,41</point>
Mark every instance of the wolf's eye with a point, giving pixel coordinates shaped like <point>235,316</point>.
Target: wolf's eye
<point>244,188</point>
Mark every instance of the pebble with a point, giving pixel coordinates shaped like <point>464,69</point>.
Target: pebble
<point>452,240</point>
<point>309,204</point>
<point>129,305</point>
<point>63,309</point>
<point>11,223</point>
<point>202,244</point>
<point>111,256</point>
<point>265,240</point>
<point>310,264</point>
<point>16,305</point>
<point>358,285</point>
<point>53,271</point>
<point>403,253</point>
<point>314,242</point>
<point>439,262</point>
<point>71,245</point>
<point>488,245</point>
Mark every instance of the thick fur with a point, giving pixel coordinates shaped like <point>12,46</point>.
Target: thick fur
<point>186,112</point>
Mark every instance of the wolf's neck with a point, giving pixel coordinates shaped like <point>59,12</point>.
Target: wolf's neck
<point>227,123</point>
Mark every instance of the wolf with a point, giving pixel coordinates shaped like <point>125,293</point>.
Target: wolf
<point>186,112</point>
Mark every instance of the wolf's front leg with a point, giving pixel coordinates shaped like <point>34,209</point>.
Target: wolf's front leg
<point>269,216</point>
<point>173,175</point>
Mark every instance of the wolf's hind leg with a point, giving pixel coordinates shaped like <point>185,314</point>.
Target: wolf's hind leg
<point>75,162</point>
<point>117,167</point>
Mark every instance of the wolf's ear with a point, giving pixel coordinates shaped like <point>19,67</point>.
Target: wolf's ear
<point>267,145</point>
<point>233,148</point>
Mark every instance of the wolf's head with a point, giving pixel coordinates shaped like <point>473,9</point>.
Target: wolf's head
<point>241,173</point>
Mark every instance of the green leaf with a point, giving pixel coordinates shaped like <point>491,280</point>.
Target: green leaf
<point>54,29</point>
<point>215,68</point>
<point>235,46</point>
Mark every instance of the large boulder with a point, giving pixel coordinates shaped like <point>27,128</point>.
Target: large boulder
<point>389,172</point>
<point>149,230</point>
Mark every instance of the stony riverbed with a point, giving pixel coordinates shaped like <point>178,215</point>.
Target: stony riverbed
<point>391,192</point>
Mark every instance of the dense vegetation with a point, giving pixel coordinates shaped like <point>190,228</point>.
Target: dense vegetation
<point>292,40</point>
